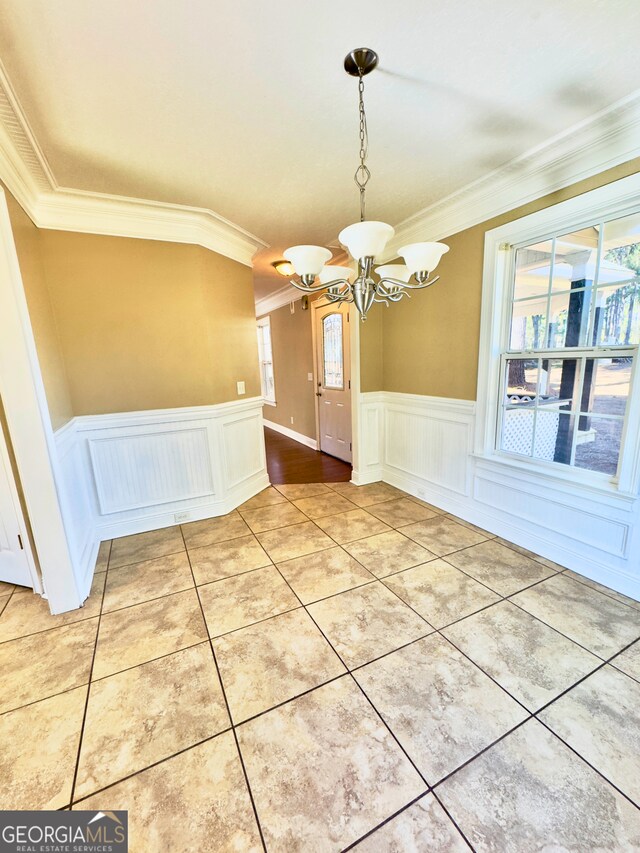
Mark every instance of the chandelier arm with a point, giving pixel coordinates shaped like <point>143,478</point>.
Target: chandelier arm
<point>313,288</point>
<point>405,284</point>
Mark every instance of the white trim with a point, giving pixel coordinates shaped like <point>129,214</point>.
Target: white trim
<point>616,199</point>
<point>27,413</point>
<point>423,445</point>
<point>263,323</point>
<point>598,143</point>
<point>290,433</point>
<point>284,295</point>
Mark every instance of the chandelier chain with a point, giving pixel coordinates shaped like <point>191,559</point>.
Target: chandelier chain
<point>362,173</point>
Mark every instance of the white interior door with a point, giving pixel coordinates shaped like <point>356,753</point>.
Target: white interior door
<point>14,565</point>
<point>333,377</point>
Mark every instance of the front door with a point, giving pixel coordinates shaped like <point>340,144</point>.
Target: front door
<point>333,379</point>
<point>14,567</point>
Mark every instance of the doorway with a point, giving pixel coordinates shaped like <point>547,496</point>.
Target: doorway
<point>332,373</point>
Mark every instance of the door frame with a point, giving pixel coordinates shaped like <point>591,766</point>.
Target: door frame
<point>32,438</point>
<point>354,365</point>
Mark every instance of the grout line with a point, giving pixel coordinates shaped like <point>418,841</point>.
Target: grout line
<point>451,818</point>
<point>146,559</point>
<point>385,822</point>
<point>93,660</point>
<point>226,702</point>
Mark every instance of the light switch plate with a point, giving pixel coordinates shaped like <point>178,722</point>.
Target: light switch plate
<point>241,388</point>
<point>310,377</point>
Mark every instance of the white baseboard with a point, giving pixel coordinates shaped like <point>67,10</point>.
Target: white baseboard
<point>423,445</point>
<point>133,472</point>
<point>290,433</point>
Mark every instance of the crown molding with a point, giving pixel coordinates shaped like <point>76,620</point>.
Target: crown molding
<point>29,178</point>
<point>604,140</point>
<point>284,295</point>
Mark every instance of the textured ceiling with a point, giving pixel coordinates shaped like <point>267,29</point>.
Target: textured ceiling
<point>243,107</point>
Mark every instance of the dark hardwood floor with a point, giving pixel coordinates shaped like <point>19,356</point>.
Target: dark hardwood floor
<point>288,461</point>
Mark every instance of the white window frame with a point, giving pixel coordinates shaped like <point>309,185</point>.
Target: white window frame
<point>262,322</point>
<point>615,200</point>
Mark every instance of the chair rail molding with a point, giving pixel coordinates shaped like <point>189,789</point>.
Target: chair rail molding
<point>137,471</point>
<point>425,446</point>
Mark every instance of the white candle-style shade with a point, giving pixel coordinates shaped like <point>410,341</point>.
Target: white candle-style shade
<point>307,260</point>
<point>422,257</point>
<point>366,239</point>
<point>328,274</point>
<point>397,271</point>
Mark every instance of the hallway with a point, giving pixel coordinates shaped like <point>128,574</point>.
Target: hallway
<point>288,461</point>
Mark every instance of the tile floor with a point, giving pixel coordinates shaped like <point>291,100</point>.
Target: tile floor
<point>329,667</point>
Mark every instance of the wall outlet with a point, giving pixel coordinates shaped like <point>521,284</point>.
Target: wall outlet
<point>310,377</point>
<point>291,420</point>
<point>182,516</point>
<point>241,388</point>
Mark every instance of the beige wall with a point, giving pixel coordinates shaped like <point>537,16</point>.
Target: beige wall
<point>371,349</point>
<point>145,324</point>
<point>292,362</point>
<point>28,246</point>
<point>430,342</point>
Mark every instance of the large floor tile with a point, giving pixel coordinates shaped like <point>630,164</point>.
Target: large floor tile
<point>618,596</point>
<point>439,705</point>
<point>225,559</point>
<point>367,622</point>
<point>531,554</point>
<point>440,592</point>
<point>324,770</point>
<point>629,661</point>
<point>422,828</point>
<point>529,659</point>
<point>43,664</point>
<point>372,493</point>
<point>7,588</point>
<point>600,719</point>
<point>41,777</point>
<point>501,569</point>
<point>296,541</point>
<point>596,621</point>
<point>195,801</point>
<point>296,491</point>
<point>244,599</point>
<point>349,526</point>
<point>267,497</point>
<point>28,613</point>
<point>530,793</point>
<point>4,600</point>
<point>146,631</point>
<point>147,713</point>
<point>325,504</point>
<point>268,663</point>
<point>481,530</point>
<point>442,535</point>
<point>212,530</point>
<point>387,553</point>
<point>397,513</point>
<point>145,546</point>
<point>143,581</point>
<point>325,573</point>
<point>273,517</point>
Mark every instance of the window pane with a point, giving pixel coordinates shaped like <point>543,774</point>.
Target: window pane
<point>568,319</point>
<point>533,267</point>
<point>559,379</point>
<point>554,435</point>
<point>575,260</point>
<point>517,430</point>
<point>332,349</point>
<point>598,447</point>
<point>521,380</point>
<point>619,276</point>
<point>528,324</point>
<point>606,386</point>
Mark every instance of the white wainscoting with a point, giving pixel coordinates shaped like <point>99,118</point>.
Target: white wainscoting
<point>137,471</point>
<point>424,445</point>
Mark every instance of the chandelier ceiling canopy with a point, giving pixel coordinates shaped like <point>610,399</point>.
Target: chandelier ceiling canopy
<point>364,240</point>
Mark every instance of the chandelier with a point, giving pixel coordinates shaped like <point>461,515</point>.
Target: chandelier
<point>365,240</point>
